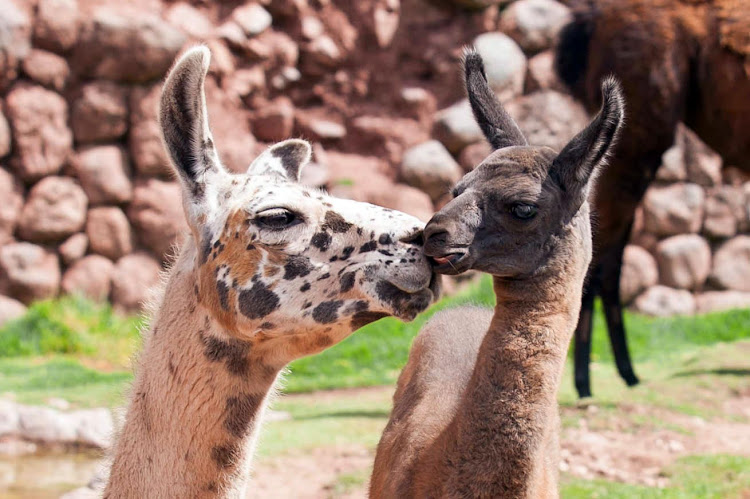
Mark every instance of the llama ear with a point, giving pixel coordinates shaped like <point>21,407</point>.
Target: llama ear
<point>285,159</point>
<point>496,124</point>
<point>578,162</point>
<point>184,122</point>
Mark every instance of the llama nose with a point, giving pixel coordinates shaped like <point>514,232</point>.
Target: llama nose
<point>435,236</point>
<point>416,238</point>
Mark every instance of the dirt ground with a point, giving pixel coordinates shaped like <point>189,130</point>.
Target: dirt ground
<point>626,452</point>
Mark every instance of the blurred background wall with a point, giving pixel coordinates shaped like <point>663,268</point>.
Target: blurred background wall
<point>88,204</point>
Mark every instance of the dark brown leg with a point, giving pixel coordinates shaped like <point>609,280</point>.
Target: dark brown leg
<point>610,267</point>
<point>582,347</point>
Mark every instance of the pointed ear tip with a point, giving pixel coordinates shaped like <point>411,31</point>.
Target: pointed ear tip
<point>301,144</point>
<point>301,147</point>
<point>612,91</point>
<point>198,56</point>
<point>471,60</point>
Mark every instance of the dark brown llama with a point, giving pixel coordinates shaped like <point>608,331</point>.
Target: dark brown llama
<point>678,60</point>
<point>475,411</point>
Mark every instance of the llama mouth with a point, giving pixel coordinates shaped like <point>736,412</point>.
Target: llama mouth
<point>407,305</point>
<point>451,263</point>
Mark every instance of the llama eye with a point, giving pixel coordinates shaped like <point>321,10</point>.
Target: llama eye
<point>276,219</point>
<point>523,211</point>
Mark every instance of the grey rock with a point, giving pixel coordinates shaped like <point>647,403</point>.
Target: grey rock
<point>133,277</point>
<point>73,248</point>
<point>42,139</point>
<point>430,167</point>
<point>104,173</point>
<point>731,268</point>
<point>15,40</point>
<point>638,273</point>
<point>120,42</point>
<point>716,301</point>
<point>456,128</point>
<point>663,301</point>
<point>684,261</point>
<point>28,272</point>
<point>54,210</point>
<point>534,24</point>
<point>673,209</point>
<point>504,64</point>
<point>91,276</point>
<point>548,118</point>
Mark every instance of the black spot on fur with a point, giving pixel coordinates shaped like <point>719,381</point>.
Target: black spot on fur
<point>324,276</point>
<point>347,252</point>
<point>225,456</point>
<point>321,240</point>
<point>223,290</point>
<point>327,311</point>
<point>385,252</point>
<point>258,301</point>
<point>367,247</point>
<point>361,319</point>
<point>240,413</point>
<point>356,307</point>
<point>305,287</point>
<point>205,247</point>
<point>390,294</point>
<point>297,266</point>
<point>336,223</point>
<point>234,354</point>
<point>347,281</point>
<point>268,325</point>
<point>250,247</point>
<point>385,239</point>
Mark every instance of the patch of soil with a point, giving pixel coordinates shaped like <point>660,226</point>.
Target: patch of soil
<point>308,476</point>
<point>624,452</point>
<point>639,455</point>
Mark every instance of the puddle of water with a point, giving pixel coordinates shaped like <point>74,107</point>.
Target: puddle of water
<point>45,476</point>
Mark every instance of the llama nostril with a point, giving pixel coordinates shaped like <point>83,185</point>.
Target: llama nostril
<point>437,237</point>
<point>415,238</point>
<point>435,233</point>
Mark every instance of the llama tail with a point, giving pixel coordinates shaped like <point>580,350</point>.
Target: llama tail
<point>572,50</point>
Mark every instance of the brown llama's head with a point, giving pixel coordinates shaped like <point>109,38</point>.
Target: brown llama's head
<point>510,216</point>
<point>273,257</point>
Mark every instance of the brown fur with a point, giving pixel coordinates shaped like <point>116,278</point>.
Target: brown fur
<point>475,411</point>
<point>678,60</point>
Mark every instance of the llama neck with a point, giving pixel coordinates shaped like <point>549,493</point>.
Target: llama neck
<point>508,422</point>
<point>195,408</point>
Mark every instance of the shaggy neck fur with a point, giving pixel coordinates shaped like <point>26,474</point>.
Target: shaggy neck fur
<point>504,438</point>
<point>196,404</point>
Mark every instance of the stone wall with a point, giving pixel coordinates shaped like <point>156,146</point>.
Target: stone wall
<point>90,205</point>
<point>690,247</point>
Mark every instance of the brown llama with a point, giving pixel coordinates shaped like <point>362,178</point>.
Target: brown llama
<point>272,271</point>
<point>475,411</point>
<point>678,60</point>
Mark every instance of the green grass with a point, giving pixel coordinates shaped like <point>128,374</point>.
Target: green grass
<point>71,325</point>
<point>704,477</point>
<point>81,352</point>
<point>72,339</point>
<point>35,380</point>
